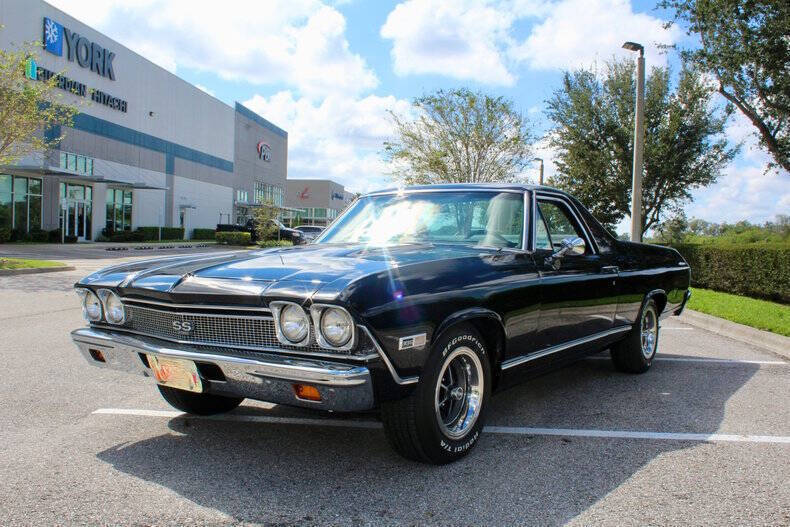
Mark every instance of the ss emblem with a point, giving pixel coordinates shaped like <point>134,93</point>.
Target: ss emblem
<point>182,326</point>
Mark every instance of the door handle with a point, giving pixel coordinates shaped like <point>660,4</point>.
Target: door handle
<point>613,269</point>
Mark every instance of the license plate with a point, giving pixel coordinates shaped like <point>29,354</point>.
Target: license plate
<point>176,373</point>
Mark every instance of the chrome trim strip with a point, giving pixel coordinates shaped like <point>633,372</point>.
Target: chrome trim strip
<point>196,306</point>
<point>344,356</point>
<point>426,190</point>
<point>397,378</point>
<point>517,361</point>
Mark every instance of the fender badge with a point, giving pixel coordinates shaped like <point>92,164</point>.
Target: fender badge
<point>413,341</point>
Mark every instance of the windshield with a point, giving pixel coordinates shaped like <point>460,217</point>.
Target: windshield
<point>493,219</point>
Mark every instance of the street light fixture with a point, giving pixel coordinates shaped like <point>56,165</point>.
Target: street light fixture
<point>540,179</point>
<point>639,142</point>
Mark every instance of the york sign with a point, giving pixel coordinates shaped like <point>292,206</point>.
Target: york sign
<point>87,54</point>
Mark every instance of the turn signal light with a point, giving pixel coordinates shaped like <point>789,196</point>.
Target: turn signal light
<point>97,355</point>
<point>307,392</point>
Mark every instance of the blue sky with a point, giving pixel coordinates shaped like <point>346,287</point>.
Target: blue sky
<point>329,71</point>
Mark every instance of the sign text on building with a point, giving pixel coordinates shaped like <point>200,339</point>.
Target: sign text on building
<point>86,53</point>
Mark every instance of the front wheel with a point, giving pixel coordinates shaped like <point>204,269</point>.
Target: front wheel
<point>635,353</point>
<point>442,419</point>
<point>198,403</point>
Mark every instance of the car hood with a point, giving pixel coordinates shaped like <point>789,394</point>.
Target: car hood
<point>282,272</point>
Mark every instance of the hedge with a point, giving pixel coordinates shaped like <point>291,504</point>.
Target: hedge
<point>151,234</point>
<point>234,238</point>
<point>203,234</point>
<point>274,243</point>
<point>5,234</point>
<point>755,270</point>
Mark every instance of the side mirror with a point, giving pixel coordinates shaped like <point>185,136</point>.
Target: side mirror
<point>570,246</point>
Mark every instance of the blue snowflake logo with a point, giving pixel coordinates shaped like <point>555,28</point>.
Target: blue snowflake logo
<point>51,32</point>
<point>53,37</point>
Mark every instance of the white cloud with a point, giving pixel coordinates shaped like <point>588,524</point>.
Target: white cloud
<point>298,43</point>
<point>476,41</point>
<point>578,33</point>
<point>459,39</point>
<point>339,138</point>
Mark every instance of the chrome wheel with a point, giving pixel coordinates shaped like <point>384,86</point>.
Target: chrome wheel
<point>649,331</point>
<point>459,392</point>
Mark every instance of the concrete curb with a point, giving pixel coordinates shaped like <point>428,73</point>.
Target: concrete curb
<point>36,270</point>
<point>777,344</point>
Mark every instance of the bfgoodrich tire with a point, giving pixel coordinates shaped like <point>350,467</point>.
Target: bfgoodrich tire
<point>198,403</point>
<point>635,353</point>
<point>442,419</point>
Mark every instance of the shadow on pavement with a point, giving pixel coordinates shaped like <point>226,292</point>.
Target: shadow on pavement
<point>302,474</point>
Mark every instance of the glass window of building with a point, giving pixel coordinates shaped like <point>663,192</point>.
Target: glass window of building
<point>20,203</point>
<point>266,192</point>
<point>76,163</point>
<point>119,210</point>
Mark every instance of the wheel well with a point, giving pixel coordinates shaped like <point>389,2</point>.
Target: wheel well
<point>494,337</point>
<point>660,299</point>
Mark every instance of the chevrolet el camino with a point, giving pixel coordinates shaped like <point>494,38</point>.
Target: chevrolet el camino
<point>417,302</point>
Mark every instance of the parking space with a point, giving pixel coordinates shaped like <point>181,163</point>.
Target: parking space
<point>702,438</point>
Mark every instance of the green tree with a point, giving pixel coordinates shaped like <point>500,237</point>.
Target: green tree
<point>28,107</point>
<point>459,136</point>
<point>673,230</point>
<point>592,132</point>
<point>744,46</point>
<point>264,217</point>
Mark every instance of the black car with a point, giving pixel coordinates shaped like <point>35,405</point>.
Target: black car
<point>310,232</point>
<point>418,302</point>
<point>279,232</point>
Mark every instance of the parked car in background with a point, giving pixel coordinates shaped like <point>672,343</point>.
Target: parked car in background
<point>279,232</point>
<point>310,232</point>
<point>419,302</point>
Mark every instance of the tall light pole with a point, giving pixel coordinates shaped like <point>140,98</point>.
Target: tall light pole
<point>639,143</point>
<point>540,178</point>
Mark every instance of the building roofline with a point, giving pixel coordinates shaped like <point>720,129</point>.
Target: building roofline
<point>249,114</point>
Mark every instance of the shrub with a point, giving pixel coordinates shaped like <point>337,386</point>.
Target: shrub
<point>756,270</point>
<point>39,236</point>
<point>172,233</point>
<point>203,234</point>
<point>149,233</point>
<point>5,235</point>
<point>126,236</point>
<point>275,243</point>
<point>53,236</point>
<point>70,239</point>
<point>233,238</point>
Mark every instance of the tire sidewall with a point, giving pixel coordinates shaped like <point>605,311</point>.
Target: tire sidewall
<point>437,445</point>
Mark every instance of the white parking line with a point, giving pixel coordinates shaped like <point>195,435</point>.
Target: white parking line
<point>511,430</point>
<point>711,360</point>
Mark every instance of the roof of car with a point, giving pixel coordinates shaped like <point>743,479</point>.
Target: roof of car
<point>468,186</point>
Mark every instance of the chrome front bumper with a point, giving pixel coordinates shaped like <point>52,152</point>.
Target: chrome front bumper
<point>262,376</point>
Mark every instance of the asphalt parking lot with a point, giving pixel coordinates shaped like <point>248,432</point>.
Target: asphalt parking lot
<point>702,438</point>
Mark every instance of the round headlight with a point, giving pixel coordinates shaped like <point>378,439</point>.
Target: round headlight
<point>91,306</point>
<point>336,326</point>
<point>113,307</point>
<point>294,324</point>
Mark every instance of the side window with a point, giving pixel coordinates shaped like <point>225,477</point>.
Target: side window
<point>559,224</point>
<point>542,240</point>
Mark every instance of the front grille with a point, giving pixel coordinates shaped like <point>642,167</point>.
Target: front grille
<point>215,326</point>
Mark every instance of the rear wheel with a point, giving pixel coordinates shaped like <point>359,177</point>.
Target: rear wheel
<point>635,353</point>
<point>442,419</point>
<point>198,403</point>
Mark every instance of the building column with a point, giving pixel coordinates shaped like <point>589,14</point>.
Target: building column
<point>99,209</point>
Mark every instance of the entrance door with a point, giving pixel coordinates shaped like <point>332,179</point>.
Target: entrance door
<point>77,218</point>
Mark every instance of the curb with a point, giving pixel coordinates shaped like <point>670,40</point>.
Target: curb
<point>777,344</point>
<point>36,270</point>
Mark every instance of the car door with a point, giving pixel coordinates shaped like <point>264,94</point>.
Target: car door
<point>578,291</point>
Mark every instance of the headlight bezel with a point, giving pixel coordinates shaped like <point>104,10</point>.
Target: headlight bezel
<point>277,309</point>
<point>317,313</point>
<point>84,293</point>
<point>105,295</point>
